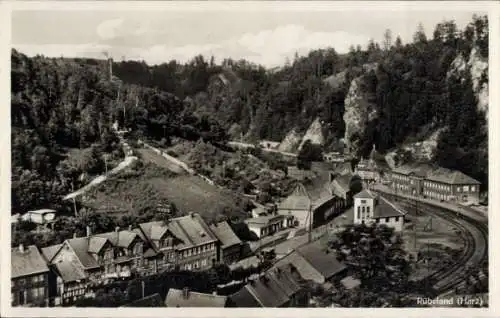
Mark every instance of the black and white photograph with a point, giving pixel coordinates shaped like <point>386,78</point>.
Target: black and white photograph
<point>248,155</point>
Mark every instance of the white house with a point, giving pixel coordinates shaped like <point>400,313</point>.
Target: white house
<point>269,224</point>
<point>370,207</point>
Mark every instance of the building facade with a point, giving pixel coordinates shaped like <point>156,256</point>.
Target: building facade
<point>230,245</point>
<point>29,277</point>
<point>435,183</point>
<point>269,224</point>
<point>371,208</point>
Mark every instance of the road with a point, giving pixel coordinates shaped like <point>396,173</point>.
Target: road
<point>238,144</point>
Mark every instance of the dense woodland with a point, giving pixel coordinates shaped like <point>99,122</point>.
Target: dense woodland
<point>63,106</point>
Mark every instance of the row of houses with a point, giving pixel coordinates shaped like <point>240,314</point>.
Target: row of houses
<point>62,273</point>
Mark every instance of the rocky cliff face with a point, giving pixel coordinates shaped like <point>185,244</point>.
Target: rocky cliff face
<point>314,134</point>
<point>291,141</point>
<point>359,111</point>
<point>477,66</point>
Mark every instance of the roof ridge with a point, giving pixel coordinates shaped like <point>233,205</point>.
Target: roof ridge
<point>184,231</point>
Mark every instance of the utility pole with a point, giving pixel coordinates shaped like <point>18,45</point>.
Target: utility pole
<point>74,201</point>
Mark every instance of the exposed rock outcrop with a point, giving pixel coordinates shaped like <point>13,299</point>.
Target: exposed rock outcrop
<point>314,134</point>
<point>359,111</point>
<point>416,151</point>
<point>291,141</point>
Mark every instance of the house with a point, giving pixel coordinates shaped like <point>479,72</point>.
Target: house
<point>230,244</point>
<point>43,218</point>
<point>444,184</point>
<point>314,262</point>
<point>340,187</point>
<point>369,170</point>
<point>344,168</point>
<point>185,242</point>
<point>269,144</point>
<point>336,157</point>
<point>409,179</point>
<point>298,204</point>
<point>299,174</point>
<point>369,208</point>
<point>277,287</point>
<point>186,298</point>
<point>269,224</point>
<point>29,277</point>
<point>83,262</point>
<point>154,300</point>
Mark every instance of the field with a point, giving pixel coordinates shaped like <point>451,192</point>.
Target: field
<point>139,189</point>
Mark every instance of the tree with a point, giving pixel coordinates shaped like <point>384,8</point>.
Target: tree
<point>419,36</point>
<point>376,256</point>
<point>387,40</point>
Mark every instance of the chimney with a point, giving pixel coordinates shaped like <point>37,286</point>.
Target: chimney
<point>110,61</point>
<point>117,229</point>
<point>21,248</point>
<point>214,293</point>
<point>88,231</point>
<point>185,292</point>
<point>130,227</point>
<point>74,235</point>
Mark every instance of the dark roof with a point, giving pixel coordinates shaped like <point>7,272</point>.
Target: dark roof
<point>154,300</point>
<point>120,238</point>
<point>340,185</point>
<point>80,246</point>
<point>27,262</point>
<point>70,270</point>
<point>191,230</point>
<point>298,200</point>
<point>96,243</point>
<point>365,194</point>
<point>385,208</point>
<point>325,263</point>
<point>451,177</point>
<point>50,251</point>
<point>273,289</point>
<point>225,234</point>
<point>176,298</point>
<point>264,220</point>
<point>420,170</point>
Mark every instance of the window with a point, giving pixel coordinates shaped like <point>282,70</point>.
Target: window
<point>363,209</point>
<point>387,220</point>
<point>204,262</point>
<point>363,201</point>
<point>458,189</point>
<point>397,218</point>
<point>359,212</point>
<point>466,188</point>
<point>367,211</point>
<point>472,188</point>
<point>378,221</point>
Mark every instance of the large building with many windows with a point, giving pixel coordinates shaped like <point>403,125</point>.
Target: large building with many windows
<point>435,183</point>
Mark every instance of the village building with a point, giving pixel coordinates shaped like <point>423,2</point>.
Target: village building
<point>372,208</point>
<point>299,205</point>
<point>186,298</point>
<point>185,242</point>
<point>269,224</point>
<point>336,157</point>
<point>435,183</point>
<point>29,277</point>
<point>277,287</point>
<point>230,245</point>
<point>267,144</point>
<point>43,218</point>
<point>314,262</point>
<point>445,185</point>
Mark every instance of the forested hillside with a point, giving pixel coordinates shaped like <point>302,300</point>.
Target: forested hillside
<point>62,112</point>
<point>388,94</point>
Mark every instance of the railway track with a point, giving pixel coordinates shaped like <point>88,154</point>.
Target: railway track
<point>475,251</point>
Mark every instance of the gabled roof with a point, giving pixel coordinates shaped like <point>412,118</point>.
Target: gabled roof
<point>70,271</point>
<point>385,208</point>
<point>27,262</point>
<point>119,238</point>
<point>365,194</point>
<point>96,243</point>
<point>190,230</point>
<point>298,200</point>
<point>80,246</point>
<point>451,177</point>
<point>264,220</point>
<point>225,234</point>
<point>324,262</point>
<point>273,289</point>
<point>176,298</point>
<point>50,251</point>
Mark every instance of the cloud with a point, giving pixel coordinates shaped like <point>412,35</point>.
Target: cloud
<point>267,47</point>
<point>110,29</point>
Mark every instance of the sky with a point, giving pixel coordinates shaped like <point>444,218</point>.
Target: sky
<point>266,35</point>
